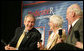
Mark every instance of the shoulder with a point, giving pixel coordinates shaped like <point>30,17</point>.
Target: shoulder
<point>79,24</point>
<point>34,30</point>
<point>19,28</point>
<point>80,21</point>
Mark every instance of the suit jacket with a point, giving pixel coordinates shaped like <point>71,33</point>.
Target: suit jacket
<point>30,40</point>
<point>71,39</point>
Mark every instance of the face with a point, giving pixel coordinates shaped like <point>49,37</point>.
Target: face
<point>51,25</point>
<point>69,16</point>
<point>29,23</point>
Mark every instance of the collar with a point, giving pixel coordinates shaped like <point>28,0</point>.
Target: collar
<point>75,22</point>
<point>27,31</point>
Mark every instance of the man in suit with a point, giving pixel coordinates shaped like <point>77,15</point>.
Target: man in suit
<point>75,20</point>
<point>25,38</point>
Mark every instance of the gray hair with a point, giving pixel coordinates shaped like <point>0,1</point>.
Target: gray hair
<point>57,20</point>
<point>78,11</point>
<point>29,15</point>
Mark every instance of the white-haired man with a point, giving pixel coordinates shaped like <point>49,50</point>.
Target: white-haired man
<point>75,20</point>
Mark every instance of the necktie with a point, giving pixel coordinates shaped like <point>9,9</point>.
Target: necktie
<point>70,29</point>
<point>20,39</point>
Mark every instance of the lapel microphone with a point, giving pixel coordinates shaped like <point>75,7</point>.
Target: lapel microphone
<point>60,33</point>
<point>27,35</point>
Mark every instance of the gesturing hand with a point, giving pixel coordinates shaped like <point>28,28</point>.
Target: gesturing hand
<point>8,47</point>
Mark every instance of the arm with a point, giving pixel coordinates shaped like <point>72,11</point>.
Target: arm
<point>12,43</point>
<point>79,44</point>
<point>14,40</point>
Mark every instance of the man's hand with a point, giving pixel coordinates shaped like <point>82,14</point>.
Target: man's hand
<point>8,47</point>
<point>79,45</point>
<point>39,45</point>
<point>12,48</point>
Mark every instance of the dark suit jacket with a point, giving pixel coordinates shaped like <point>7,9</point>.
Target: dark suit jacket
<point>30,40</point>
<point>64,46</point>
<point>71,39</point>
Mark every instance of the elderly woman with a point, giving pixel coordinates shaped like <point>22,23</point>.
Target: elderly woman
<point>55,23</point>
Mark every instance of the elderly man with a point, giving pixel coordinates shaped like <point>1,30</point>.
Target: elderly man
<point>75,20</point>
<point>55,24</point>
<point>74,39</point>
<point>25,38</point>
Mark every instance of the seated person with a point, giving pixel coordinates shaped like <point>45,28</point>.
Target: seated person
<point>55,23</point>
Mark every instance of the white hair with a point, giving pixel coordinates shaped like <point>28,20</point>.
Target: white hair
<point>78,11</point>
<point>57,20</point>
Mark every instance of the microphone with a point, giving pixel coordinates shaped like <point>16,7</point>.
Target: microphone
<point>28,36</point>
<point>60,33</point>
<point>40,41</point>
<point>77,35</point>
<point>3,42</point>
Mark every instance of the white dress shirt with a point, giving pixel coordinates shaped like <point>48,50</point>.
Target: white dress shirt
<point>73,23</point>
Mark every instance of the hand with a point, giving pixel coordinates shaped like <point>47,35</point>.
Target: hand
<point>79,45</point>
<point>12,48</point>
<point>7,47</point>
<point>39,45</point>
<point>60,40</point>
